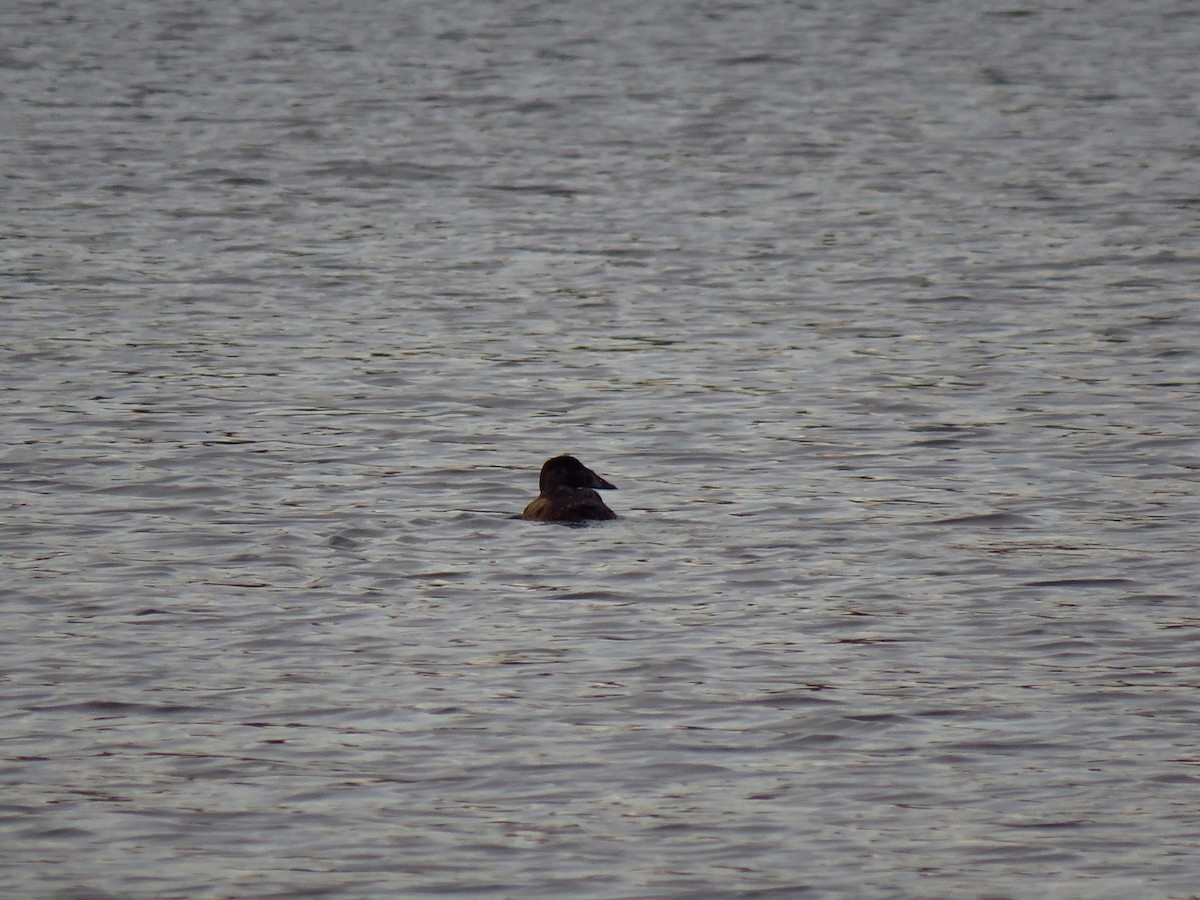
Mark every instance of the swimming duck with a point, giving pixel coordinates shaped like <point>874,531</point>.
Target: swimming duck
<point>566,493</point>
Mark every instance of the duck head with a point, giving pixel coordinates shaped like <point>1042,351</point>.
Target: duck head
<point>567,472</point>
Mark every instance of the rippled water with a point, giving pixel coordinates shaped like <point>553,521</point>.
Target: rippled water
<point>883,318</point>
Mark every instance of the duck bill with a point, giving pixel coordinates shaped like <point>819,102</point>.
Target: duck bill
<point>600,483</point>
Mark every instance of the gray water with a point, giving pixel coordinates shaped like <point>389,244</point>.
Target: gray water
<point>882,317</point>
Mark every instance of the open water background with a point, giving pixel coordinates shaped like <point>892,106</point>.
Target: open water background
<point>883,317</point>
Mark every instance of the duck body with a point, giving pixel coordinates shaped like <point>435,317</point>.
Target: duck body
<point>567,493</point>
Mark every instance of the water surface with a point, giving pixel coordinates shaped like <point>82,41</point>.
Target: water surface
<point>883,320</point>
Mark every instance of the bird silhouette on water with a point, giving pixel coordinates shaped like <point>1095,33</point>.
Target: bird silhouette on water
<point>567,493</point>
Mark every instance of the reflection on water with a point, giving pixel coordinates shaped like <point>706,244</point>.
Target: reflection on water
<point>883,321</point>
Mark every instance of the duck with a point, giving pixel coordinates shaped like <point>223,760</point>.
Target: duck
<point>566,493</point>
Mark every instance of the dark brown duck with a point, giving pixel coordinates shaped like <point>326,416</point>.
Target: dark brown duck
<point>567,493</point>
